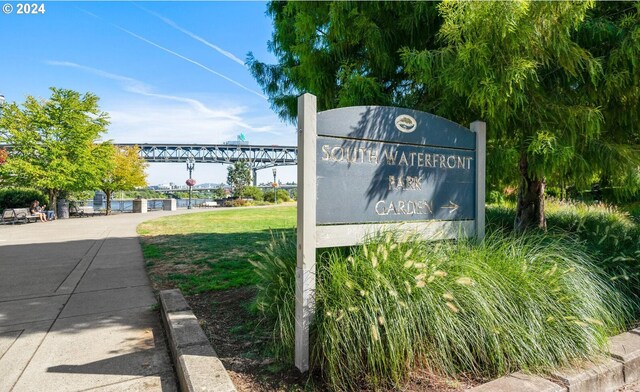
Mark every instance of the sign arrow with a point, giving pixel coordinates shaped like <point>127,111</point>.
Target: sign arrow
<point>451,206</point>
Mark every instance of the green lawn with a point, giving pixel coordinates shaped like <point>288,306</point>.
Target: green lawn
<point>210,250</point>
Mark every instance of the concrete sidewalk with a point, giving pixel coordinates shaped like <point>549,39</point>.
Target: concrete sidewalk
<point>77,311</point>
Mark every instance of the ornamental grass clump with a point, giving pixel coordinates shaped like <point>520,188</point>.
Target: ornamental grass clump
<point>275,299</point>
<point>611,236</point>
<point>512,303</point>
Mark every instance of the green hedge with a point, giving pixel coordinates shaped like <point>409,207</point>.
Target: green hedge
<point>282,196</point>
<point>20,197</point>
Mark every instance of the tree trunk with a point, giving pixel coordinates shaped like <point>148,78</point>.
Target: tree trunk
<point>530,207</point>
<point>52,193</point>
<point>108,194</point>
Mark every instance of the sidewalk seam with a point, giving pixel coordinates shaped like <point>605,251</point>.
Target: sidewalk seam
<point>111,289</point>
<point>99,243</point>
<point>14,340</point>
<point>60,312</point>
<point>31,297</point>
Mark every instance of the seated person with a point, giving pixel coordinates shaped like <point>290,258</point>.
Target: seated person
<point>51,215</point>
<point>36,210</point>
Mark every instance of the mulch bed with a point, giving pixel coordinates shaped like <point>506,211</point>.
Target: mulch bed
<point>224,316</point>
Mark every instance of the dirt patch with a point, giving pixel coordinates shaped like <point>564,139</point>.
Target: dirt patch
<point>231,328</point>
<point>424,380</point>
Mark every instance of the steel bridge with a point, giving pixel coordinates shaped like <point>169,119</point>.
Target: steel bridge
<point>259,157</point>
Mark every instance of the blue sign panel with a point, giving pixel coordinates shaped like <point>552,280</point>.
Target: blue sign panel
<point>378,164</point>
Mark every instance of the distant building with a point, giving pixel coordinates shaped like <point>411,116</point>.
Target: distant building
<point>240,141</point>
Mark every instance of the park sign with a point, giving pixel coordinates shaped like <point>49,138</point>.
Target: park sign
<point>367,169</point>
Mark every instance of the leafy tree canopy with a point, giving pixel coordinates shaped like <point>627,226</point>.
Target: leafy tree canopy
<point>53,141</point>
<point>239,176</point>
<point>252,192</point>
<point>121,169</point>
<point>558,83</point>
<point>345,53</point>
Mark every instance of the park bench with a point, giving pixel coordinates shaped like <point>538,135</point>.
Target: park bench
<point>25,215</point>
<point>8,216</point>
<point>17,215</point>
<point>82,212</point>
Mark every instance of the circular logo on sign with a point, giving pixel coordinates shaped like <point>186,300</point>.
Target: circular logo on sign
<point>406,123</point>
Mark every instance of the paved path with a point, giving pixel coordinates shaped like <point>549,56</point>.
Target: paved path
<point>77,312</point>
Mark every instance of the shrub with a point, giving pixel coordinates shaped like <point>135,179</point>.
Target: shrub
<point>236,203</point>
<point>251,192</point>
<point>282,196</point>
<point>20,197</point>
<point>529,302</point>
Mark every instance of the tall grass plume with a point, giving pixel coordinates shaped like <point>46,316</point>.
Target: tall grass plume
<point>512,303</point>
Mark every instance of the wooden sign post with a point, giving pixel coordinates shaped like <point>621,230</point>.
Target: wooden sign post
<point>367,169</point>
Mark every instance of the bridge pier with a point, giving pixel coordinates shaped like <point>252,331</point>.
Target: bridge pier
<point>255,176</point>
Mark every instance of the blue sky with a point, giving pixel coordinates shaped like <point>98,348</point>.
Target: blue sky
<point>166,72</point>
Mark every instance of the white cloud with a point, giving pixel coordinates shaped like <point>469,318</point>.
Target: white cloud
<point>169,118</point>
<point>158,122</point>
<point>191,61</point>
<point>141,115</point>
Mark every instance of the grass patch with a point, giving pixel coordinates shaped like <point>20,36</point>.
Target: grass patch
<point>210,250</point>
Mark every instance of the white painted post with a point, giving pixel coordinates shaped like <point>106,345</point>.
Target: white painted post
<point>480,129</point>
<point>306,265</point>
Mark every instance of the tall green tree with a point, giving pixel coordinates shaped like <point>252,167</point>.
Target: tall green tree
<point>53,141</point>
<point>611,33</point>
<point>538,73</point>
<point>121,169</point>
<point>345,53</point>
<point>239,176</point>
<point>557,82</point>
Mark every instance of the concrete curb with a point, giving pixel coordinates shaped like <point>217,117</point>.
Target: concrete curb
<point>197,364</point>
<point>621,369</point>
<point>199,368</point>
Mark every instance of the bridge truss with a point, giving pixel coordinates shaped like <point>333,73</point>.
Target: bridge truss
<point>259,157</point>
